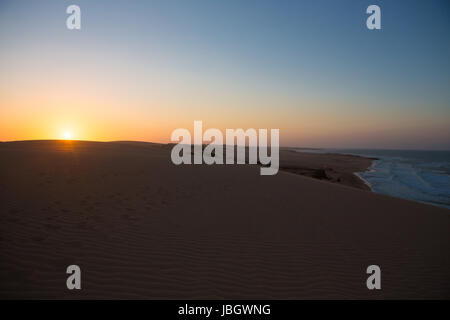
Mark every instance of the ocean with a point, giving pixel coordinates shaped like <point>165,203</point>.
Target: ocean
<point>422,176</point>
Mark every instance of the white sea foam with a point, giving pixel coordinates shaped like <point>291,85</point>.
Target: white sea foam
<point>422,176</point>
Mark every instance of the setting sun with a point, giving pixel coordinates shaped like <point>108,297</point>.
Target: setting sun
<point>67,135</point>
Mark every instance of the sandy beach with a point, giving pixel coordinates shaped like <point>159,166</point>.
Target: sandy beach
<point>336,168</point>
<point>142,228</point>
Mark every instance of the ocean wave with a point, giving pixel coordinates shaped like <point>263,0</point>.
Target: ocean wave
<point>409,178</point>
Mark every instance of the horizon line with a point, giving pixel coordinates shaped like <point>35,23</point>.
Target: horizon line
<point>168,143</point>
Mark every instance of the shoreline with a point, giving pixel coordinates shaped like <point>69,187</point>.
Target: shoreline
<point>332,167</point>
<point>367,183</point>
<point>358,174</point>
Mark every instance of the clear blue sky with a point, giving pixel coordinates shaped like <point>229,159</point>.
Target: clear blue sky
<point>310,68</point>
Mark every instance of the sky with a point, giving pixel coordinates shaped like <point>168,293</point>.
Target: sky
<point>137,70</point>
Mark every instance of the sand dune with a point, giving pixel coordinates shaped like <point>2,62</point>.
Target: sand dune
<point>140,227</point>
